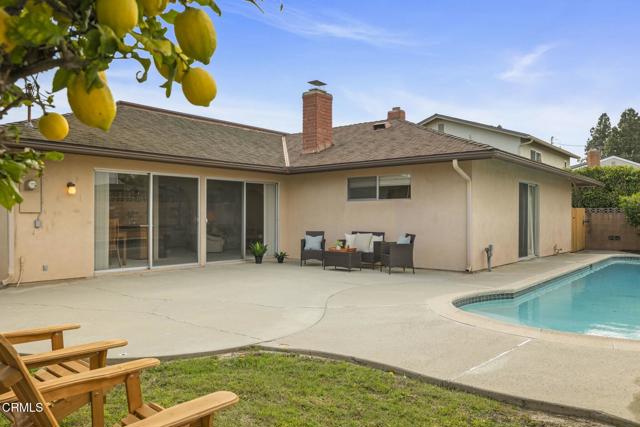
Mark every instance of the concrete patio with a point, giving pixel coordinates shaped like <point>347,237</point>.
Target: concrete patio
<point>387,319</point>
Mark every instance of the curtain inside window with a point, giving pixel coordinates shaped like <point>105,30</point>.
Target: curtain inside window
<point>101,241</point>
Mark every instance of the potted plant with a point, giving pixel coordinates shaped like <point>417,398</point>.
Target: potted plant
<point>280,256</point>
<point>258,249</point>
<point>338,244</point>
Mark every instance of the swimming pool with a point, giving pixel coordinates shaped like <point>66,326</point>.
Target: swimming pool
<point>602,299</point>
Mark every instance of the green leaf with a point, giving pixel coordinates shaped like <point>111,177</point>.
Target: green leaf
<point>170,16</point>
<point>53,156</point>
<point>61,79</point>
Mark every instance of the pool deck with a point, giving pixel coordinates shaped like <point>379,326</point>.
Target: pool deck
<point>401,320</point>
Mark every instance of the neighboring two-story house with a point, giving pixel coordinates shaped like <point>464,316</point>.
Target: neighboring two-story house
<point>507,140</point>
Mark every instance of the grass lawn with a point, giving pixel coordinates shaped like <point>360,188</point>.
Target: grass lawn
<point>287,390</point>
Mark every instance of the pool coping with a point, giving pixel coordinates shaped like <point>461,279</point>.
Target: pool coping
<point>445,306</point>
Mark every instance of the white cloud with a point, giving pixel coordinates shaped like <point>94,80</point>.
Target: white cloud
<point>523,67</point>
<point>319,24</point>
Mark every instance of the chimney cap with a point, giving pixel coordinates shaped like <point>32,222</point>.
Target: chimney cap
<point>317,83</point>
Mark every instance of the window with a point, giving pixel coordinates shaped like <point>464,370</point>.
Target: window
<point>379,187</point>
<point>536,156</point>
<point>394,187</point>
<point>441,127</point>
<point>362,188</point>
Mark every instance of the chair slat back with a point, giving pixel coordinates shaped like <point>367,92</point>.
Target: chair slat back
<point>21,383</point>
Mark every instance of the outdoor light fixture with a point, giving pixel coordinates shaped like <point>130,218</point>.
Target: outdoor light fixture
<point>71,189</point>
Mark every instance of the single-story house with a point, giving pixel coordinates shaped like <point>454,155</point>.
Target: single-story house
<point>163,189</point>
<point>594,159</point>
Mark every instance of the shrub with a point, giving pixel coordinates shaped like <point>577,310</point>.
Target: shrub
<point>618,181</point>
<point>631,207</point>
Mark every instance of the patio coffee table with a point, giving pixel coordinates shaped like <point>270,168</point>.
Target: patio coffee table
<point>348,258</point>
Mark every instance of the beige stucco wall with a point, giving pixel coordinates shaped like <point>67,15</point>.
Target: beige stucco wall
<point>495,211</point>
<point>435,212</point>
<point>65,242</point>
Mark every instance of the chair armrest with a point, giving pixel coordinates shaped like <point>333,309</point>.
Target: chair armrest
<point>53,333</point>
<point>71,353</point>
<point>189,412</point>
<point>86,382</point>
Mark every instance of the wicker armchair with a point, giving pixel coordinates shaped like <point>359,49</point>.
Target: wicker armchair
<point>374,257</point>
<point>306,254</point>
<point>398,255</point>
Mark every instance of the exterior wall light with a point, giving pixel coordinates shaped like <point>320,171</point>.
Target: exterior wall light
<point>71,188</point>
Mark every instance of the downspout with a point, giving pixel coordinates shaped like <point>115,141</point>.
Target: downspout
<point>469,239</point>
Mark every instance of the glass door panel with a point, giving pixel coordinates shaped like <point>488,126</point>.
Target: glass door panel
<point>175,220</point>
<point>254,214</point>
<point>224,220</point>
<point>271,217</point>
<point>121,220</point>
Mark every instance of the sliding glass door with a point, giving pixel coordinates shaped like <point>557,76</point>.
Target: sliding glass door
<point>224,220</point>
<point>175,220</point>
<point>528,220</point>
<point>261,215</point>
<point>121,220</point>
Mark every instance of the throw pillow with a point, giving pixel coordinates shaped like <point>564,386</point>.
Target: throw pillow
<point>312,243</point>
<point>375,238</point>
<point>404,239</point>
<point>363,241</point>
<point>350,240</point>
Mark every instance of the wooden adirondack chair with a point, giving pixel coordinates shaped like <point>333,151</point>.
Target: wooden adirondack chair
<point>61,361</point>
<point>91,384</point>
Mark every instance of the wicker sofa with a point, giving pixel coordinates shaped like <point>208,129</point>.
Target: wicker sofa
<point>374,257</point>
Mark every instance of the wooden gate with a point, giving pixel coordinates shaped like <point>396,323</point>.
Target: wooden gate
<point>578,229</point>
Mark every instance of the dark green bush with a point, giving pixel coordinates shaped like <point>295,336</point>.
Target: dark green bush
<point>618,181</point>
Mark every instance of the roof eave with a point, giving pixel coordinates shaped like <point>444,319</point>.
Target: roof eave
<point>139,155</point>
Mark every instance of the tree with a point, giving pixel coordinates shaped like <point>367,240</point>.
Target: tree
<point>78,39</point>
<point>624,140</point>
<point>599,134</point>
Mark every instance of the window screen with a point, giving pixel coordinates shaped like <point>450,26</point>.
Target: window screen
<point>362,188</point>
<point>395,187</point>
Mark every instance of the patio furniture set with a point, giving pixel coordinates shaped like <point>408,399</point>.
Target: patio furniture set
<point>358,248</point>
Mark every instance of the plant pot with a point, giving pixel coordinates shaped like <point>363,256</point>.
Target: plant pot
<point>280,260</point>
<point>258,259</point>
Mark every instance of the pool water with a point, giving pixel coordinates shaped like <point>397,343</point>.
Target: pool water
<point>601,300</point>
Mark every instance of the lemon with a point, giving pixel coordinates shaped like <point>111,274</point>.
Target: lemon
<point>195,33</point>
<point>5,43</point>
<point>199,87</point>
<point>120,15</point>
<point>53,126</point>
<point>94,108</point>
<point>153,7</point>
<point>164,68</point>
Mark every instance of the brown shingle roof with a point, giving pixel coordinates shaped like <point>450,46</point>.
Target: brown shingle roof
<point>362,143</point>
<point>145,129</point>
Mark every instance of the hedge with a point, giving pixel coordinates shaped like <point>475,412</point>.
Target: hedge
<point>618,181</point>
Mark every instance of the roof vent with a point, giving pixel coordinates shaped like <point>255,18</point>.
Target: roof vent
<point>499,126</point>
<point>381,125</point>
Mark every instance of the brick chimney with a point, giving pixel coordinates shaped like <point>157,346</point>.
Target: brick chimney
<point>396,113</point>
<point>593,158</point>
<point>317,121</point>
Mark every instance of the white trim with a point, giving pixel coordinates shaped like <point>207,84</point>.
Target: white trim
<point>285,151</point>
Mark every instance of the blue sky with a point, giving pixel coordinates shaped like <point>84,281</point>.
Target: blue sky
<point>544,67</point>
